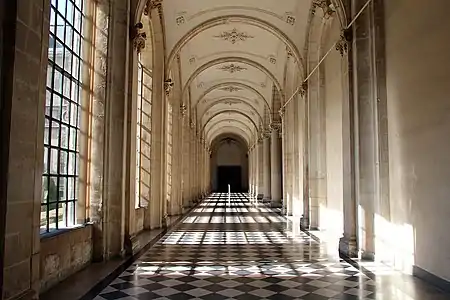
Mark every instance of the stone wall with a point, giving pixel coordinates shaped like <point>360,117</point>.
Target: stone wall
<point>64,254</point>
<point>418,76</point>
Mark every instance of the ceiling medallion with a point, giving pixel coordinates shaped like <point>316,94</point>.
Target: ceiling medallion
<point>234,36</point>
<point>231,89</point>
<point>232,68</point>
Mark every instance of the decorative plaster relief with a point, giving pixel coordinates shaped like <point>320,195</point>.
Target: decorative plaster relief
<point>231,89</point>
<point>232,68</point>
<point>343,44</point>
<point>272,59</point>
<point>183,110</point>
<point>290,19</point>
<point>234,36</point>
<point>326,6</point>
<point>139,37</point>
<point>180,20</point>
<point>168,86</point>
<point>153,4</point>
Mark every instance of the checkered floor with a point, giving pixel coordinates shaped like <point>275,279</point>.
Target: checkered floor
<point>239,250</point>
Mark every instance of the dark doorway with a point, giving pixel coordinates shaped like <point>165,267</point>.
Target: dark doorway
<point>229,175</point>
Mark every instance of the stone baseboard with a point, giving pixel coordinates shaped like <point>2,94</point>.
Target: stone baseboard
<point>431,278</point>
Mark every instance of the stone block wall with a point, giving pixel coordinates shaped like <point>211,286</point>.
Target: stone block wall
<point>64,254</point>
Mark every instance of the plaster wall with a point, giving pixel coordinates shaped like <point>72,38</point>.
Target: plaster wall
<point>418,76</point>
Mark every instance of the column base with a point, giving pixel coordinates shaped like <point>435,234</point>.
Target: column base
<point>304,224</point>
<point>348,247</point>
<point>276,204</point>
<point>367,256</point>
<point>260,196</point>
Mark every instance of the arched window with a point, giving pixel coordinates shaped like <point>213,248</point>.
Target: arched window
<point>144,125</point>
<point>62,115</point>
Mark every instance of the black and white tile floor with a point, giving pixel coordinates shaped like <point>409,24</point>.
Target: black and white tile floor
<point>239,250</point>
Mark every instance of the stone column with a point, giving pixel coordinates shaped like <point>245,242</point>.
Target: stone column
<point>24,62</point>
<point>275,165</point>
<point>348,244</point>
<point>260,184</point>
<point>266,167</point>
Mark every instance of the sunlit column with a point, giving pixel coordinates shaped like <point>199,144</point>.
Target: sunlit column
<point>260,162</point>
<point>348,244</point>
<point>266,166</point>
<point>275,164</point>
<point>283,159</point>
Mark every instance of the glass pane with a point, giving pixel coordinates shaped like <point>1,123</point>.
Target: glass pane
<point>69,36</point>
<point>60,26</point>
<point>54,135</point>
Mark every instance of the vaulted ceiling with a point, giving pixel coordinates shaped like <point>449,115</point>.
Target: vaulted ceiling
<point>233,55</point>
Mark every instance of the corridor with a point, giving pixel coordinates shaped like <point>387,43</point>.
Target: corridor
<point>238,249</point>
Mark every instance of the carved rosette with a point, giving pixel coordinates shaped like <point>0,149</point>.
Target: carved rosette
<point>168,86</point>
<point>139,37</point>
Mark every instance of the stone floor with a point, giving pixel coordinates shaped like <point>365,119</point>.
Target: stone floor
<point>238,250</point>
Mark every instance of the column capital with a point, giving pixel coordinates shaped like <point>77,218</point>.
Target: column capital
<point>281,112</point>
<point>326,6</point>
<point>303,88</point>
<point>153,4</point>
<point>168,86</point>
<point>344,41</point>
<point>139,37</point>
<point>183,110</point>
<point>275,126</point>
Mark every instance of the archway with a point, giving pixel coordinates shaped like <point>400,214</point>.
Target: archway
<point>229,163</point>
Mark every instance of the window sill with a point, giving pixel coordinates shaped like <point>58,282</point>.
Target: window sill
<point>56,232</point>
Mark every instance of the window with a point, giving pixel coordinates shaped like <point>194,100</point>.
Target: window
<point>143,136</point>
<point>62,115</point>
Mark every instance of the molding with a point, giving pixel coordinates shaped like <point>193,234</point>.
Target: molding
<point>236,84</point>
<point>229,101</point>
<point>230,59</point>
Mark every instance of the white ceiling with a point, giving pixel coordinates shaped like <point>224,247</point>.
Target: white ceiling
<point>232,53</point>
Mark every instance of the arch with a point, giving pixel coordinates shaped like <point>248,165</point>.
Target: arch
<point>229,98</point>
<point>242,60</point>
<point>218,139</point>
<point>227,120</point>
<point>227,111</point>
<point>220,20</point>
<point>235,84</point>
<point>230,130</point>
